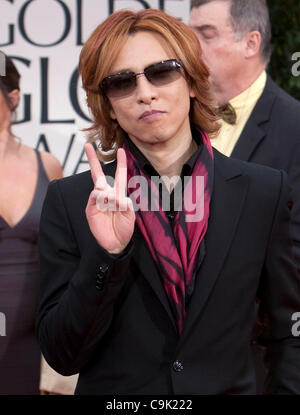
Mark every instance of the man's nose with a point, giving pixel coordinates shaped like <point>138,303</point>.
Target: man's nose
<point>145,91</point>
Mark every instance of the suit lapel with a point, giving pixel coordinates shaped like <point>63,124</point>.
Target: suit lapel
<point>255,129</point>
<point>229,194</point>
<point>146,264</point>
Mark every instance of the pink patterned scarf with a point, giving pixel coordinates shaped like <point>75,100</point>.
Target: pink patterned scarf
<point>178,248</point>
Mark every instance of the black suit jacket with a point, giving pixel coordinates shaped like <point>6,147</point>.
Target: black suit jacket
<point>272,137</point>
<point>108,317</point>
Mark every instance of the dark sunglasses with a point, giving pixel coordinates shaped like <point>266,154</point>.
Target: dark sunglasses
<point>123,83</point>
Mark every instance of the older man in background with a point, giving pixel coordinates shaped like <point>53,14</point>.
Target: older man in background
<point>260,122</point>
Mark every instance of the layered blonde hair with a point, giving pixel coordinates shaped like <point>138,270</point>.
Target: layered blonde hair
<point>103,46</point>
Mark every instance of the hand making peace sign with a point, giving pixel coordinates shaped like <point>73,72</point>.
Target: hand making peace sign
<point>109,211</point>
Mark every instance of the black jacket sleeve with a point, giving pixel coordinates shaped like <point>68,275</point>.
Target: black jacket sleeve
<point>78,288</point>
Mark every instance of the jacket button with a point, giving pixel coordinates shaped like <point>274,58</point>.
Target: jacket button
<point>100,277</point>
<point>103,269</point>
<point>177,366</point>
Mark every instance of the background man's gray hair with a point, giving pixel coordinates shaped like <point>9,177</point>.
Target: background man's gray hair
<point>246,16</point>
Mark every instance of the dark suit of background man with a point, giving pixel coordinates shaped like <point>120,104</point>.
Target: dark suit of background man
<point>262,121</point>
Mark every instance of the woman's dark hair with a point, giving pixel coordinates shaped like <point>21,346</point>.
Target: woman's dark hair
<point>11,79</point>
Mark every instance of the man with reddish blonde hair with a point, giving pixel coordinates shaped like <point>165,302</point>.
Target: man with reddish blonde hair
<point>145,297</point>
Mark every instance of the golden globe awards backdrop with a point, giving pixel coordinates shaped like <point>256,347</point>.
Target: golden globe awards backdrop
<point>44,38</point>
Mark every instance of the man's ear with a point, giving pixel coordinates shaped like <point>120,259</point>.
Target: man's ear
<point>14,97</point>
<point>253,42</point>
<point>112,114</point>
<point>192,93</point>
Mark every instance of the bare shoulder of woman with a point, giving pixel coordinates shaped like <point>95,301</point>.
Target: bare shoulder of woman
<point>52,165</point>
